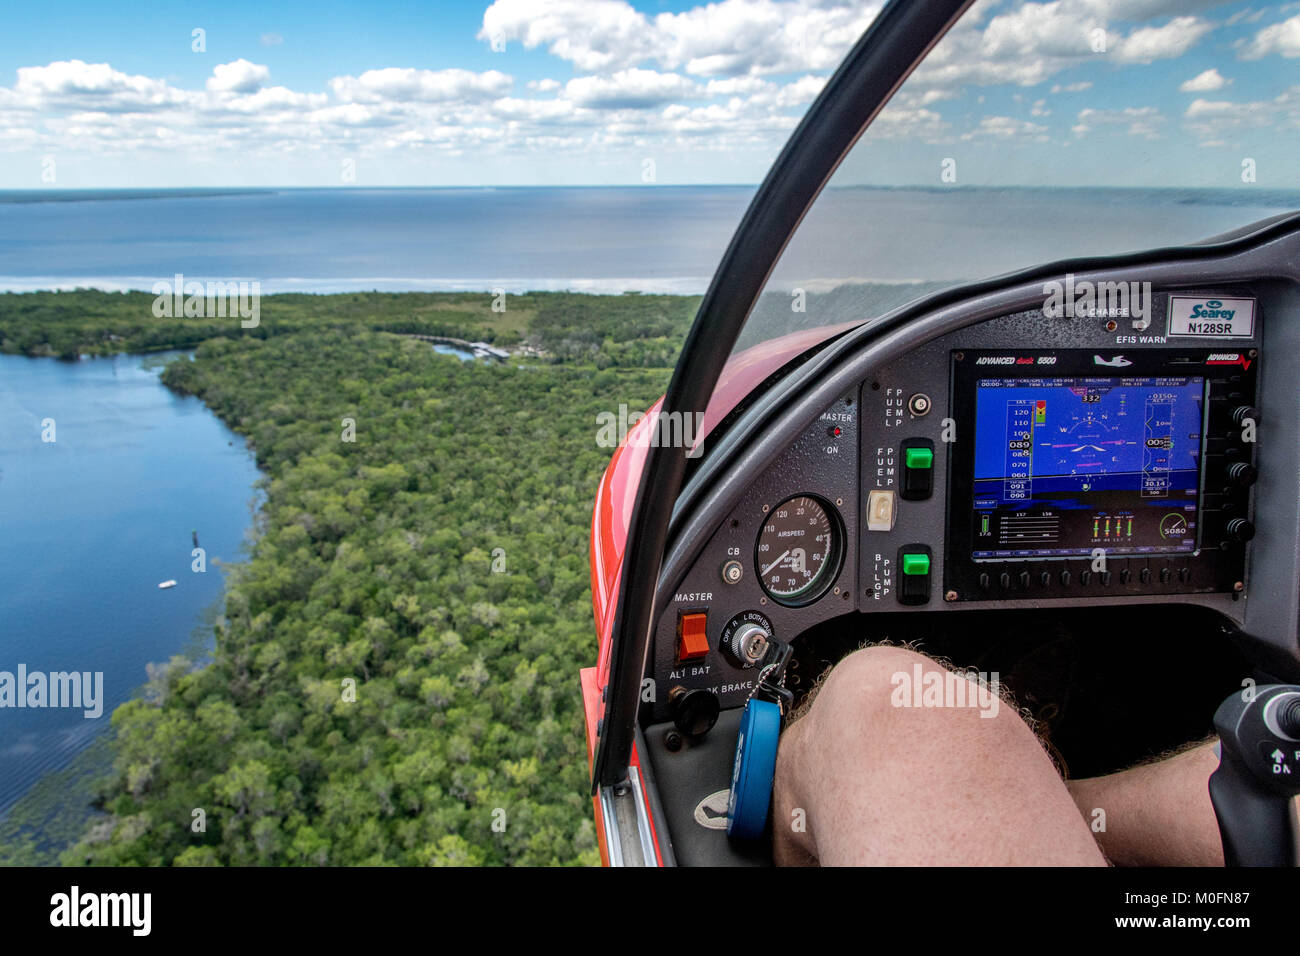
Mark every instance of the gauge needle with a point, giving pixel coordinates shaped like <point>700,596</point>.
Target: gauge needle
<point>777,561</point>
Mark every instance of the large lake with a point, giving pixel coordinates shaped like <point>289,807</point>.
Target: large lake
<point>603,239</point>
<point>89,526</point>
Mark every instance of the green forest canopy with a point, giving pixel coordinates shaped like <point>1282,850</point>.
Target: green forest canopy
<point>439,561</point>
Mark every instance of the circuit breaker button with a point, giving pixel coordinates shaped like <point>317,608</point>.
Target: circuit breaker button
<point>880,510</point>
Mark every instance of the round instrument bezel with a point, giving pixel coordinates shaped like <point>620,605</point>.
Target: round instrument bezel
<point>815,589</point>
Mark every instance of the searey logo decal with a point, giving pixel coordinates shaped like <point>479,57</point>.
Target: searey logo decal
<point>1211,318</point>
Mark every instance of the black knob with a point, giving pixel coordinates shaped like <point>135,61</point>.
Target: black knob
<point>1288,717</point>
<point>1239,529</point>
<point>1242,474</point>
<point>694,711</point>
<point>1242,412</point>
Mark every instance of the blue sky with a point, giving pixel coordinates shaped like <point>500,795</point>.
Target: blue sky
<point>1074,92</point>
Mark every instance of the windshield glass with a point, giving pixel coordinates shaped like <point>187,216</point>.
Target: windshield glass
<point>1040,131</point>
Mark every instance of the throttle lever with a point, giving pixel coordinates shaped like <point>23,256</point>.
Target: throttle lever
<point>1254,788</point>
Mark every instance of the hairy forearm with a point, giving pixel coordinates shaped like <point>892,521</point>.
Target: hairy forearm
<point>1155,814</point>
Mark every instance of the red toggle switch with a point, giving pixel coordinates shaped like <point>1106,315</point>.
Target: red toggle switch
<point>692,640</point>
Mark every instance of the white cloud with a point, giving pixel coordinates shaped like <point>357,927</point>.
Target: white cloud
<point>1209,120</point>
<point>731,75</point>
<point>240,76</point>
<point>1280,38</point>
<point>269,100</point>
<point>919,123</point>
<point>1034,41</point>
<point>591,34</point>
<point>354,115</point>
<point>76,84</point>
<point>540,111</point>
<point>629,89</point>
<point>1136,11</point>
<point>733,85</point>
<point>1142,121</point>
<point>725,38</point>
<point>411,85</point>
<point>1162,43</point>
<point>1006,128</point>
<point>1205,82</point>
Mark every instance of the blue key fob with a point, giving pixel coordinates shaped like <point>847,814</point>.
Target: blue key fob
<point>754,770</point>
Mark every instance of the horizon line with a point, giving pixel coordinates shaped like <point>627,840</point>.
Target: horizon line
<point>55,190</point>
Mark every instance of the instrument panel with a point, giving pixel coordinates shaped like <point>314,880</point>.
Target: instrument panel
<point>1026,460</point>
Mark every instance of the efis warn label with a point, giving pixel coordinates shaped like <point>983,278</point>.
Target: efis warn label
<point>1212,318</point>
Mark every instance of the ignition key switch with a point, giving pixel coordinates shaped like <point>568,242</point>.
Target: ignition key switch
<point>746,637</point>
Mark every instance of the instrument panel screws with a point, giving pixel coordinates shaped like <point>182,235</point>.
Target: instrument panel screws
<point>1238,586</point>
<point>839,502</point>
<point>766,509</point>
<point>673,741</point>
<point>950,596</point>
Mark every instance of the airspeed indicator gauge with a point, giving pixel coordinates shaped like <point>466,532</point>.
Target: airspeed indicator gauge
<point>799,550</point>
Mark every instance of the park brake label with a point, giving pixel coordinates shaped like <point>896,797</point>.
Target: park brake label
<point>1211,317</point>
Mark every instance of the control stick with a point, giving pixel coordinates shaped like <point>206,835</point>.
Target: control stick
<point>1254,789</point>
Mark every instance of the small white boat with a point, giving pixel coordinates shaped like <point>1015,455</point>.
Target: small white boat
<point>167,584</point>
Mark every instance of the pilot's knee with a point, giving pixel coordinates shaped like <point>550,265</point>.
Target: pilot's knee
<point>859,691</point>
<point>883,697</point>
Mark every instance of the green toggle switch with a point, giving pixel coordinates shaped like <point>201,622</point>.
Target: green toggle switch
<point>918,469</point>
<point>919,458</point>
<point>916,564</point>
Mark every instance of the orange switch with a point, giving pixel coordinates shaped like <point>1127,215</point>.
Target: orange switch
<point>692,641</point>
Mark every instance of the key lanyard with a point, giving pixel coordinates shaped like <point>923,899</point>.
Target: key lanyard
<point>753,770</point>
